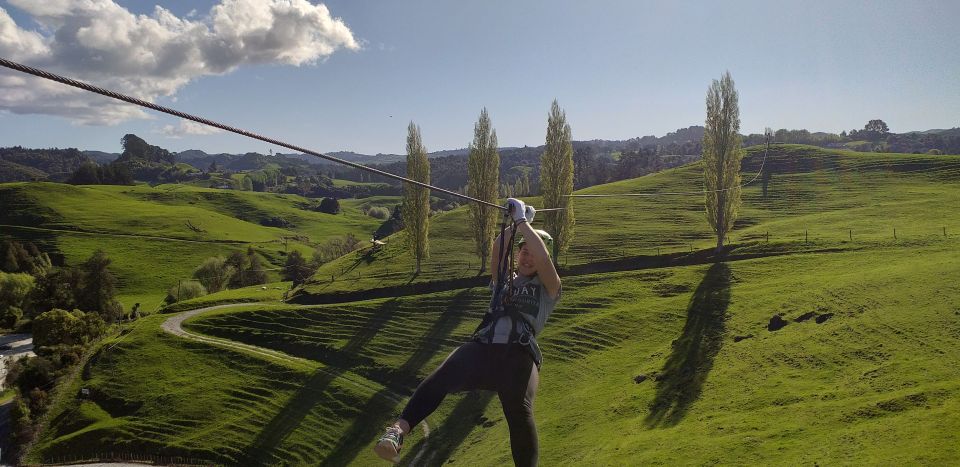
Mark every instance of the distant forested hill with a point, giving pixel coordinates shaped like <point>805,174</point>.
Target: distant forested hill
<point>19,164</point>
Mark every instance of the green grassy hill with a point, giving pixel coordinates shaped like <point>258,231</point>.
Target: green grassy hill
<point>156,235</point>
<point>675,365</point>
<point>827,194</point>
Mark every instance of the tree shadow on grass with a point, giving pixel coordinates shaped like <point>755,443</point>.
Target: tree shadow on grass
<point>379,410</point>
<point>680,382</point>
<point>263,449</point>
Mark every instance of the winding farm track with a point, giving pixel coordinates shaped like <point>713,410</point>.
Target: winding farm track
<point>174,325</point>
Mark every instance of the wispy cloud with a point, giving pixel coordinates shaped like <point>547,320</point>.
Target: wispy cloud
<point>188,127</point>
<point>153,55</point>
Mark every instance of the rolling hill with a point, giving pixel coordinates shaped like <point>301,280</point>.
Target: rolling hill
<point>832,341</point>
<point>157,235</point>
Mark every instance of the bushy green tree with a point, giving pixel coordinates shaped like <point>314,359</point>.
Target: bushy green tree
<point>86,174</point>
<point>416,199</point>
<point>66,328</point>
<point>214,273</point>
<point>256,274</point>
<point>330,206</point>
<point>14,292</point>
<point>23,257</point>
<point>556,179</point>
<point>21,425</point>
<point>248,267</point>
<point>483,182</point>
<point>296,268</point>
<point>721,157</point>
<point>58,288</point>
<point>185,291</point>
<point>99,287</point>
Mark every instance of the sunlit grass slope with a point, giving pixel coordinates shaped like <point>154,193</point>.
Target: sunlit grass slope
<point>156,235</point>
<point>866,368</point>
<point>152,392</point>
<point>820,195</point>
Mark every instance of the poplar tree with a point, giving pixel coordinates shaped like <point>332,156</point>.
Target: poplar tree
<point>483,182</point>
<point>721,157</point>
<point>556,180</point>
<point>416,199</point>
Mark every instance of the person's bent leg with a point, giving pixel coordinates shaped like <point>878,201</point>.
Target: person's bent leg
<point>516,397</point>
<point>461,371</point>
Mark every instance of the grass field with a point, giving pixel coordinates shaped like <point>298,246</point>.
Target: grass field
<point>157,235</point>
<point>677,365</point>
<point>866,370</point>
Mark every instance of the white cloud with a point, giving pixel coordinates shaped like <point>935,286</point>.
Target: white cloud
<point>188,127</point>
<point>153,55</point>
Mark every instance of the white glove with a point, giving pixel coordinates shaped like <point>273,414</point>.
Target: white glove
<point>517,210</point>
<point>529,213</point>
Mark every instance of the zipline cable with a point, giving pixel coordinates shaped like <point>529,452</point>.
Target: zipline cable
<point>159,108</point>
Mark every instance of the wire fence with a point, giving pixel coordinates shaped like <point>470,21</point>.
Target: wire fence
<point>840,236</point>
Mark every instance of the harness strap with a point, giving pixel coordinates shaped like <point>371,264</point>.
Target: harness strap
<point>502,292</point>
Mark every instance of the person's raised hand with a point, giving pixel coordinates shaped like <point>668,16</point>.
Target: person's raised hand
<point>517,210</point>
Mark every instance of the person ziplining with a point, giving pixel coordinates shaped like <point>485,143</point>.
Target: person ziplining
<point>502,355</point>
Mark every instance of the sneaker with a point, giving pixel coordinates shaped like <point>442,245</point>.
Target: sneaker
<point>389,445</point>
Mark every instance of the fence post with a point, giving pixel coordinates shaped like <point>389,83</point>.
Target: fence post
<point>806,236</point>
<point>894,233</point>
<point>768,236</point>
<point>851,235</point>
<point>658,251</point>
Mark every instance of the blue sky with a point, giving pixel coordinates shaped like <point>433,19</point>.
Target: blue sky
<point>620,69</point>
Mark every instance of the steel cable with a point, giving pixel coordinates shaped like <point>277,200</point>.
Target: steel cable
<point>133,100</point>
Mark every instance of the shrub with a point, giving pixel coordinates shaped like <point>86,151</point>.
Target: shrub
<point>378,212</point>
<point>185,291</point>
<point>335,248</point>
<point>276,221</point>
<point>14,290</point>
<point>329,206</point>
<point>296,268</point>
<point>214,274</point>
<point>60,327</point>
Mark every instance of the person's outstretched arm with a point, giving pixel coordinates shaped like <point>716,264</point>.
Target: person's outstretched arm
<point>541,258</point>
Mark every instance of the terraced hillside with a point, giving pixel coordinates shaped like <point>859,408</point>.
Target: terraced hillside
<point>825,197</point>
<point>826,352</point>
<point>156,235</point>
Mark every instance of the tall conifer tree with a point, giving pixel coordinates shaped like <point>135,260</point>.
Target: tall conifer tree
<point>416,199</point>
<point>721,157</point>
<point>483,182</point>
<point>556,179</point>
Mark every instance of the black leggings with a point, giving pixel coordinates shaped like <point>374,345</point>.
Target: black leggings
<point>505,368</point>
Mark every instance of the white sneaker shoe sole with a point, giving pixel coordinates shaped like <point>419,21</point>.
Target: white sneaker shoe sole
<point>387,451</point>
